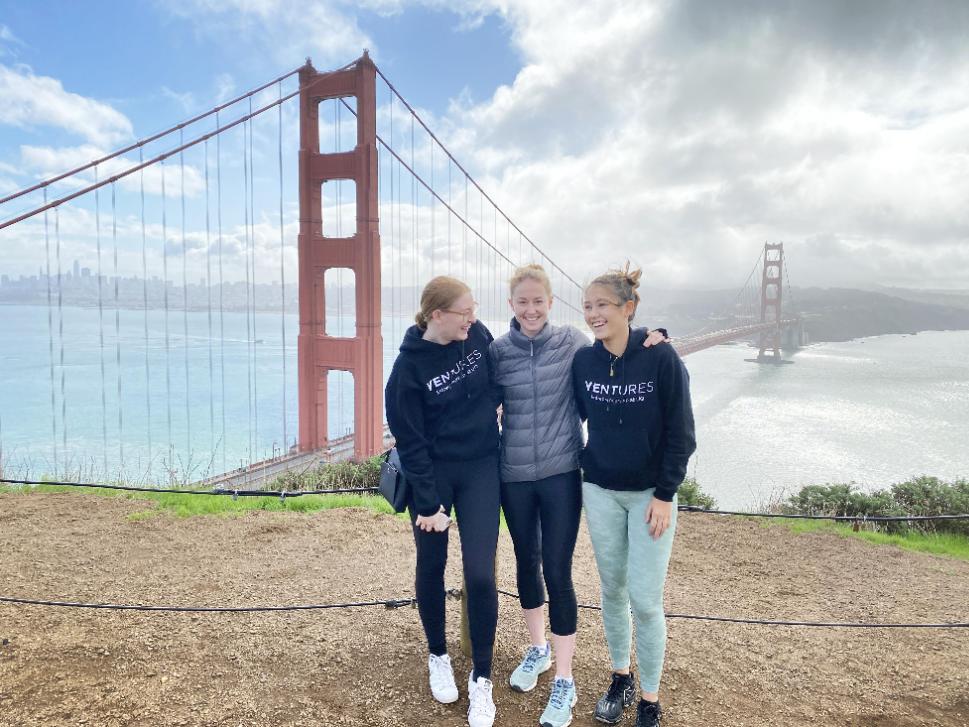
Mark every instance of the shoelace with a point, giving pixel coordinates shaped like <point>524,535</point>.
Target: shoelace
<point>560,688</point>
<point>532,657</point>
<point>617,686</point>
<point>481,698</point>
<point>440,670</point>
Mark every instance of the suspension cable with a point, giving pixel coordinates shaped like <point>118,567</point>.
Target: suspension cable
<point>60,333</point>
<point>50,339</point>
<point>104,399</point>
<point>147,140</point>
<point>218,177</point>
<point>169,463</point>
<point>117,326</point>
<point>417,116</point>
<point>208,290</point>
<point>255,335</point>
<point>144,287</point>
<point>154,160</point>
<point>188,395</point>
<point>282,274</point>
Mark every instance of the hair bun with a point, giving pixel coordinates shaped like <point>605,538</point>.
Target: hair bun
<point>630,276</point>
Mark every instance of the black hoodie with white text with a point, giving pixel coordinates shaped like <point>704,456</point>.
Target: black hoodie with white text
<point>641,431</point>
<point>440,402</point>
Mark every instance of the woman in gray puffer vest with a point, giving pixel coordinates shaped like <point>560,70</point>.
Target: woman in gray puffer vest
<point>541,486</point>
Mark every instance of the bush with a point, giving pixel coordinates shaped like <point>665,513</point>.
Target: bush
<point>691,494</point>
<point>920,496</point>
<point>332,476</point>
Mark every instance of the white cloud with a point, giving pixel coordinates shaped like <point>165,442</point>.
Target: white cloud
<point>31,101</point>
<point>284,30</point>
<point>685,134</point>
<point>46,162</point>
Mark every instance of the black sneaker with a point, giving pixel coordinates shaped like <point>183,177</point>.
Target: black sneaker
<point>620,695</point>
<point>648,714</point>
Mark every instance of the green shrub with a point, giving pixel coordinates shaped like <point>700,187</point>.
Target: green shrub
<point>919,496</point>
<point>691,494</point>
<point>331,476</point>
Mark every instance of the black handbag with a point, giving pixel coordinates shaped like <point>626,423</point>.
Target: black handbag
<point>393,483</point>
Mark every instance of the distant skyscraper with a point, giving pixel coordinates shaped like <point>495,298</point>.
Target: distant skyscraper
<point>77,269</point>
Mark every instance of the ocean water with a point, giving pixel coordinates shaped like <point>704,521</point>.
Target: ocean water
<point>872,411</point>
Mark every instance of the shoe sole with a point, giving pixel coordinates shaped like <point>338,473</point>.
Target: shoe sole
<point>606,721</point>
<point>449,701</point>
<point>516,688</point>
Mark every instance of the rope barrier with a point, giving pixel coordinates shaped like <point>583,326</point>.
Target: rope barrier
<point>234,493</point>
<point>283,494</point>
<point>455,593</point>
<point>392,603</point>
<point>774,622</point>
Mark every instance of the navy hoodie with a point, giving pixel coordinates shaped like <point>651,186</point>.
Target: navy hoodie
<point>441,402</point>
<point>641,431</point>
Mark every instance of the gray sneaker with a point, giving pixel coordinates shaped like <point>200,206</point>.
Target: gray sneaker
<point>537,661</point>
<point>558,713</point>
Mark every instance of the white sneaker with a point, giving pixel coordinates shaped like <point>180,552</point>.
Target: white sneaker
<point>442,679</point>
<point>481,710</point>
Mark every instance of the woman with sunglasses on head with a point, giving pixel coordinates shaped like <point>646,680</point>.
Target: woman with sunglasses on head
<point>441,404</point>
<point>540,481</point>
<point>641,436</point>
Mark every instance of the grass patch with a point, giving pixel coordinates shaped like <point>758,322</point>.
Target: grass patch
<point>950,545</point>
<point>220,505</point>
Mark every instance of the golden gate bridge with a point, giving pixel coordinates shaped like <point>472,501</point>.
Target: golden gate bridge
<point>376,205</point>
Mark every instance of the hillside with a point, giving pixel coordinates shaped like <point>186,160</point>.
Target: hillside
<point>367,666</point>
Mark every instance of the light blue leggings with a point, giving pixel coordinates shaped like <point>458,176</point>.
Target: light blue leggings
<point>632,570</point>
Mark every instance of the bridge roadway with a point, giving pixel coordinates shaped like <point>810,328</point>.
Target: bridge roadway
<point>692,344</point>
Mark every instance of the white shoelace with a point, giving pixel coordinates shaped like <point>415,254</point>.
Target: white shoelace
<point>481,700</point>
<point>442,674</point>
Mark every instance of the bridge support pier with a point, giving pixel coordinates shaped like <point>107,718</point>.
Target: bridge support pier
<point>770,303</point>
<point>318,351</point>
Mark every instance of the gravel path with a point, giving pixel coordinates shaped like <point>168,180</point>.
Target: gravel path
<point>366,666</point>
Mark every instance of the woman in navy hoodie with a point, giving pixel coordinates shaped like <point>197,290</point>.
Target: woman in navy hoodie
<point>441,407</point>
<point>641,436</point>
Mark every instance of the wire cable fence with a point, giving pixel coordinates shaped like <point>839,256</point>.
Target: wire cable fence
<point>284,494</point>
<point>397,603</point>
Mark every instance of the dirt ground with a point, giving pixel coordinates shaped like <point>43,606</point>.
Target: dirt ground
<point>366,666</point>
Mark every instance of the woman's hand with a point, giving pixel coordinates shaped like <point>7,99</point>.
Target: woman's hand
<point>654,337</point>
<point>659,513</point>
<point>437,523</point>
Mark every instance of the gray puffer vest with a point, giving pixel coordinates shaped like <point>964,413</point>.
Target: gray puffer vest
<point>541,432</point>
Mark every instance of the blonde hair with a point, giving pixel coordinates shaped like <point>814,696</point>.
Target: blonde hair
<point>439,294</point>
<point>532,271</point>
<point>621,282</point>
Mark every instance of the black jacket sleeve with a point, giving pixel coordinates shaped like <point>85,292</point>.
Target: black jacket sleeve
<point>578,389</point>
<point>680,433</point>
<point>495,390</point>
<point>405,416</point>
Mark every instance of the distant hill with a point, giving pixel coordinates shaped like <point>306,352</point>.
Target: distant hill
<point>830,314</point>
<point>840,314</point>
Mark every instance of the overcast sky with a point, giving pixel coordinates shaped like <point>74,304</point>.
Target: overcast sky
<point>680,134</point>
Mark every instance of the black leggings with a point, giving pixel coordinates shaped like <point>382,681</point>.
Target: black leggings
<point>473,490</point>
<point>543,518</point>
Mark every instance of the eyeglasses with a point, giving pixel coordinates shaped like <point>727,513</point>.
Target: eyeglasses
<point>467,315</point>
<point>599,307</point>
